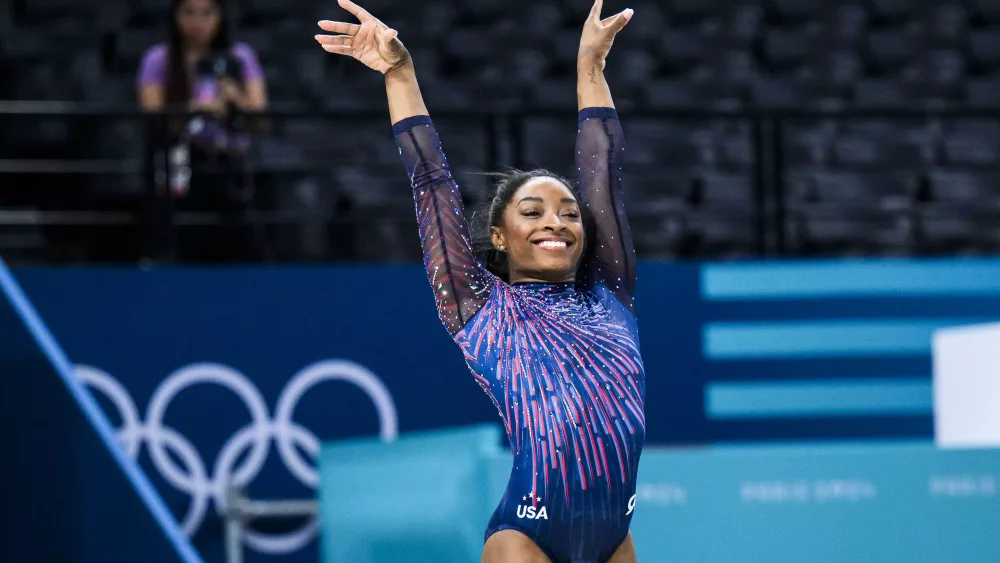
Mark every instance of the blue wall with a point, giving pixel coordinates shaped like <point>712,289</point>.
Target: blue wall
<point>733,353</point>
<point>70,494</point>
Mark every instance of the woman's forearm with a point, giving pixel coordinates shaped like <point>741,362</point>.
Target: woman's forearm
<point>592,89</point>
<point>403,92</point>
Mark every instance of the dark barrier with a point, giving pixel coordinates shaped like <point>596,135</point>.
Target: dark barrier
<point>92,183</point>
<point>72,495</point>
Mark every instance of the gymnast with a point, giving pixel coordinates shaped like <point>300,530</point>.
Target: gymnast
<point>544,314</point>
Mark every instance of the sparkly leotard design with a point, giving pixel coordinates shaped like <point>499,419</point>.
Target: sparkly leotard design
<point>560,361</point>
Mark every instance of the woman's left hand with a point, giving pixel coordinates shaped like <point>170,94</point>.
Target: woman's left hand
<point>599,35</point>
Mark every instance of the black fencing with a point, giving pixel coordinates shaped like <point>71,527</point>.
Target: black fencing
<point>95,184</point>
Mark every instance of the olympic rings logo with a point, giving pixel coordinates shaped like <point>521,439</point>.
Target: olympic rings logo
<point>193,477</point>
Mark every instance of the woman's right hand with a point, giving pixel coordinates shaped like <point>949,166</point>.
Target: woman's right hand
<point>216,107</point>
<point>372,42</point>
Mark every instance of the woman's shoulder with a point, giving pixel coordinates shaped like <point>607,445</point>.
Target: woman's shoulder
<point>248,61</point>
<point>153,67</point>
<point>155,53</point>
<point>242,50</point>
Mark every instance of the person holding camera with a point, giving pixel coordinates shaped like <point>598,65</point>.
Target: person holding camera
<point>211,82</point>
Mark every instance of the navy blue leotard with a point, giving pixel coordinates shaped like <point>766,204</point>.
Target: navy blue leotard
<point>560,361</point>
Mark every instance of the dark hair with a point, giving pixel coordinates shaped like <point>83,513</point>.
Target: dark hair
<point>505,186</point>
<point>178,84</point>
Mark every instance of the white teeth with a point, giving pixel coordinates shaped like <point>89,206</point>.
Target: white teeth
<point>552,244</point>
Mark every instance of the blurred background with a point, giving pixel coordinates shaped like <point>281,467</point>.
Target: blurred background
<point>217,343</point>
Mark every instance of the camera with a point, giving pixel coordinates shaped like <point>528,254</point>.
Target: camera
<point>219,66</point>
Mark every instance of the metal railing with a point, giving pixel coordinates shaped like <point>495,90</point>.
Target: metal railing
<point>505,141</point>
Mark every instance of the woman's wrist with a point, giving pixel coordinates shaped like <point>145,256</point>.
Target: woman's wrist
<point>405,65</point>
<point>587,60</point>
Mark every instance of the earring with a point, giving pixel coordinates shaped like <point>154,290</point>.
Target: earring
<point>500,248</point>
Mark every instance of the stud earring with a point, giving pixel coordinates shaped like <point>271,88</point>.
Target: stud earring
<point>501,248</point>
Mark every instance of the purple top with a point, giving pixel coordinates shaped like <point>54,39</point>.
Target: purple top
<point>153,71</point>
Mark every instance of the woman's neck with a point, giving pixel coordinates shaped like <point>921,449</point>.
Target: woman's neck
<point>194,52</point>
<point>524,278</point>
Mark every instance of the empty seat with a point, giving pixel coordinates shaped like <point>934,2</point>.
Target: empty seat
<point>672,94</point>
<point>985,47</point>
<point>463,140</point>
<point>733,67</point>
<point>835,231</point>
<point>667,143</point>
<point>434,21</point>
<point>806,144</point>
<point>848,23</point>
<point>470,44</point>
<point>785,47</point>
<point>987,10</point>
<point>47,11</point>
<point>261,11</point>
<point>547,143</point>
<point>947,23</point>
<point>964,186</point>
<point>744,23</point>
<point>794,10</point>
<point>957,231</point>
<point>146,13</point>
<point>891,47</point>
<point>555,94</point>
<point>982,92</point>
<point>936,68</point>
<point>650,23</point>
<point>715,190</point>
<point>882,93</point>
<point>893,189</point>
<point>894,10</point>
<point>632,67</point>
<point>721,236</point>
<point>651,191</point>
<point>790,92</point>
<point>881,150</point>
<point>132,44</point>
<point>682,48</point>
<point>973,145</point>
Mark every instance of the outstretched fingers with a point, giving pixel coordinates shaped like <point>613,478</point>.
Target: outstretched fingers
<point>595,10</point>
<point>335,40</point>
<point>353,8</point>
<point>339,27</point>
<point>616,22</point>
<point>339,49</point>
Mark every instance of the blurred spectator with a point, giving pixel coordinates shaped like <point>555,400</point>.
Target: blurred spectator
<point>214,81</point>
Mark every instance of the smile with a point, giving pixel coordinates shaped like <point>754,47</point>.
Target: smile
<point>553,244</point>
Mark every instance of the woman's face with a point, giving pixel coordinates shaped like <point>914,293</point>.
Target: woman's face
<point>198,21</point>
<point>541,232</point>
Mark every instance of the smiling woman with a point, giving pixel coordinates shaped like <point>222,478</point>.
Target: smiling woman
<point>546,214</point>
<point>545,316</point>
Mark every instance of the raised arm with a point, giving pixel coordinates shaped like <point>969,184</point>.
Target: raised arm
<point>461,284</point>
<point>600,151</point>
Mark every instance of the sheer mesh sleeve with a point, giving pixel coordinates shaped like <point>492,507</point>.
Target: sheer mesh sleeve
<point>461,284</point>
<point>600,152</point>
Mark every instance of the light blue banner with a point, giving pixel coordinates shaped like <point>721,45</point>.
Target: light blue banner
<point>823,338</point>
<point>862,278</point>
<point>793,399</point>
<point>885,503</point>
<point>902,502</point>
